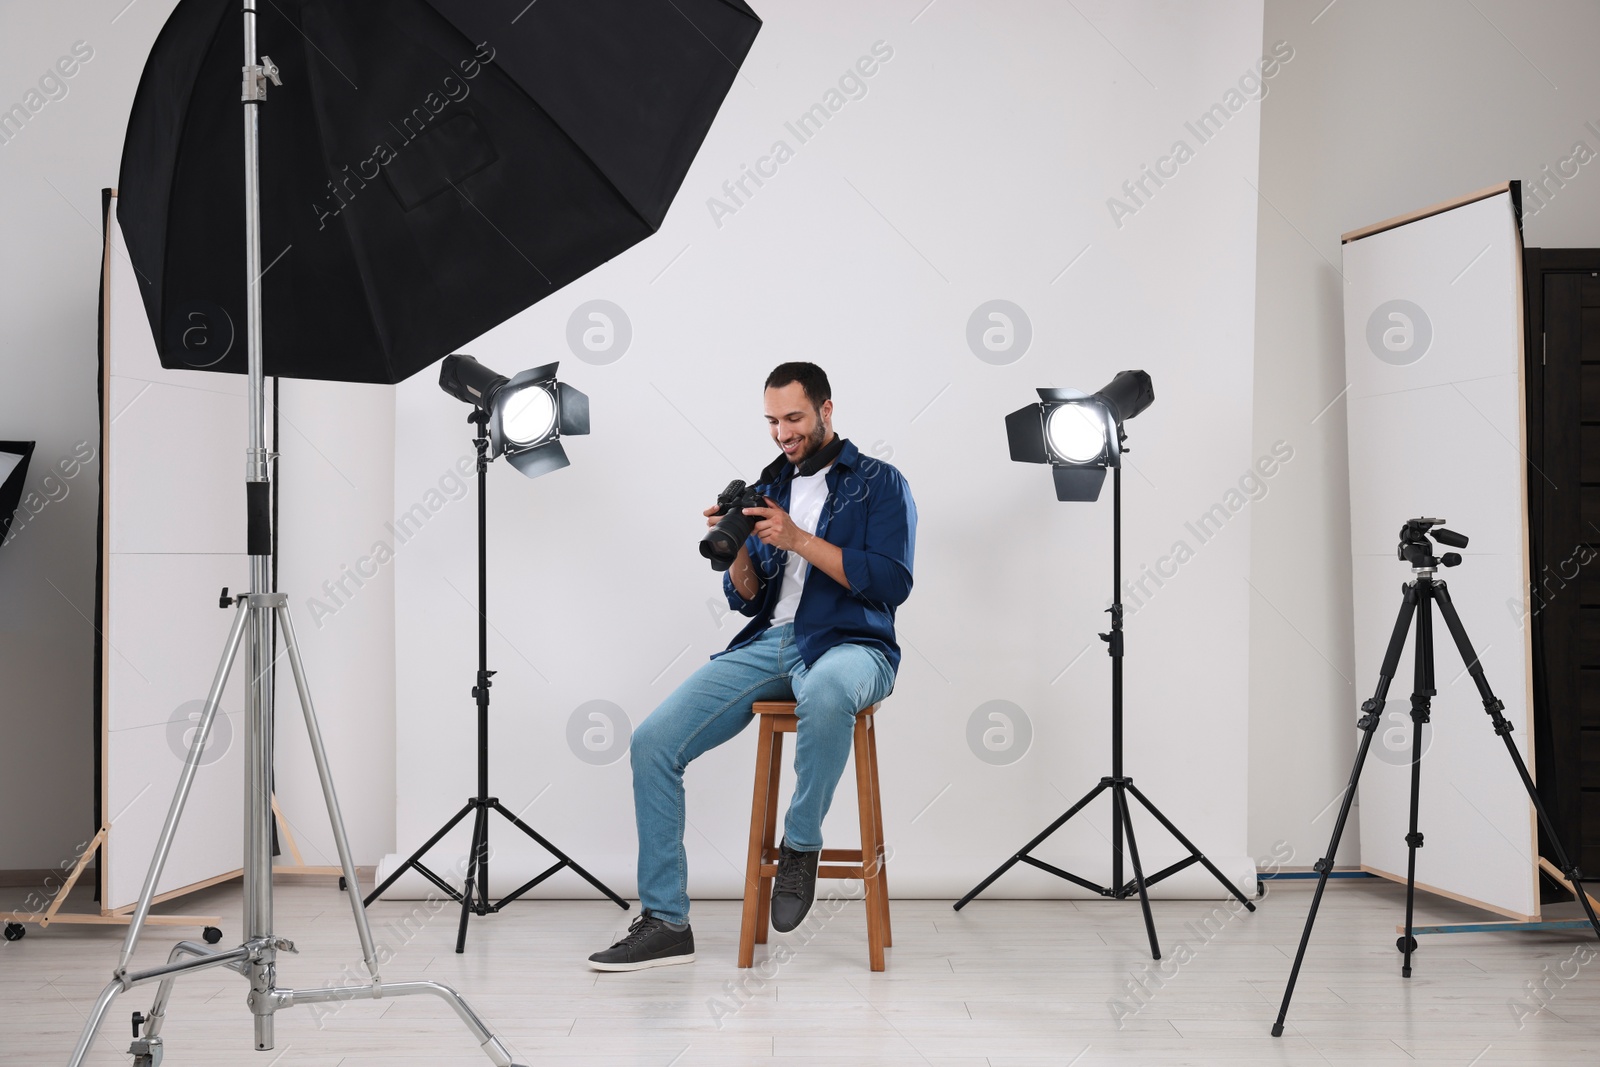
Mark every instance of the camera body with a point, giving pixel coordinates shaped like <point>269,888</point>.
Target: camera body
<point>1416,549</point>
<point>721,543</point>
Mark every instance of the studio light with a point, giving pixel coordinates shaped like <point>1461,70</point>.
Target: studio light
<point>1079,434</point>
<point>521,418</point>
<point>527,414</point>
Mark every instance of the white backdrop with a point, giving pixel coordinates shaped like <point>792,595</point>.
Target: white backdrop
<point>1436,429</point>
<point>977,162</point>
<point>173,442</point>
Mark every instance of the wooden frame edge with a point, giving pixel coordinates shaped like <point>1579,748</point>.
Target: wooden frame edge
<point>1457,897</point>
<point>1422,213</point>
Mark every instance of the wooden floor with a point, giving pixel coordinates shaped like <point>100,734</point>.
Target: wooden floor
<point>1009,983</point>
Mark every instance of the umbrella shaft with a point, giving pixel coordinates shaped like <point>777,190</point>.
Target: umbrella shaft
<point>256,458</point>
<point>258,645</point>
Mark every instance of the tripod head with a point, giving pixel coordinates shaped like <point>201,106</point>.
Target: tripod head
<point>1416,549</point>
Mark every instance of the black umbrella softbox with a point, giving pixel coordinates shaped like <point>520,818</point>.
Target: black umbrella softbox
<point>428,169</point>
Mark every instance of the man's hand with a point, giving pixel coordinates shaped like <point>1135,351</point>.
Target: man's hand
<point>775,528</point>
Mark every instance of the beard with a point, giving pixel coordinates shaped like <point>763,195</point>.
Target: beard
<point>812,444</point>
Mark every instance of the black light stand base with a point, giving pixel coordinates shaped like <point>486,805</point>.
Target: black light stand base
<point>473,896</point>
<point>1121,788</point>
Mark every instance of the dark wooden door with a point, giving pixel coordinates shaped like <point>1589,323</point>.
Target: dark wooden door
<point>1563,605</point>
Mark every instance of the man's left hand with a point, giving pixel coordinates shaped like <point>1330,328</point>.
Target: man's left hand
<point>775,528</point>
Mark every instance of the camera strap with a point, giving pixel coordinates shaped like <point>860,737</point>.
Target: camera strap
<point>811,465</point>
<point>821,458</point>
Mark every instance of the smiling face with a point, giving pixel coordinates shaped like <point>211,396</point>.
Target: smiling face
<point>797,427</point>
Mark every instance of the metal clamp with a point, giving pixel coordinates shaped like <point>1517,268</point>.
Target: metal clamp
<point>256,77</point>
<point>259,946</point>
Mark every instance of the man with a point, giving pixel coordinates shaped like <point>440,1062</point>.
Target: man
<point>820,577</point>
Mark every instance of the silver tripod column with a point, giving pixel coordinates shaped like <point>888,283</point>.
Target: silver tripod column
<point>258,639</point>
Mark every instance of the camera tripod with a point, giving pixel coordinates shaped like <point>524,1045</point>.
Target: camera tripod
<point>474,895</point>
<point>1417,600</point>
<point>1120,785</point>
<point>255,614</point>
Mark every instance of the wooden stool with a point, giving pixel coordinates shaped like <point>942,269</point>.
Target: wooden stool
<point>867,862</point>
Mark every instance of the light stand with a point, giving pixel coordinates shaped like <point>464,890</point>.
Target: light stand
<point>1081,436</point>
<point>1417,599</point>
<point>254,616</point>
<point>1120,784</point>
<point>474,897</point>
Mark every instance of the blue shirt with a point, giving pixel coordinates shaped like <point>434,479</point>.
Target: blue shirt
<point>870,516</point>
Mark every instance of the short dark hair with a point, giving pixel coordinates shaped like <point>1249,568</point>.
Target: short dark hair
<point>812,378</point>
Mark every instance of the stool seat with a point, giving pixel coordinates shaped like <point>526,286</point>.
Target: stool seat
<point>865,864</point>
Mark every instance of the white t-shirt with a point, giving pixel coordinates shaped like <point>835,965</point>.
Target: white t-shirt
<point>806,498</point>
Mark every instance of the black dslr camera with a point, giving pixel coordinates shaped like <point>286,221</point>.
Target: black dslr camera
<point>721,544</point>
<point>1415,549</point>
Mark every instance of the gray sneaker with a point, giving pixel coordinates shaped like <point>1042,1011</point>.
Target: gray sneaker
<point>794,887</point>
<point>649,942</point>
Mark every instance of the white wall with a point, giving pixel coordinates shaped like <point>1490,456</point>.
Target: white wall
<point>335,493</point>
<point>1384,109</point>
<point>977,166</point>
<point>50,181</point>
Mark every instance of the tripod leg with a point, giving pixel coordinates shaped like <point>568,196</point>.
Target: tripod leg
<point>1324,866</point>
<point>480,831</point>
<point>97,1014</point>
<point>1123,817</point>
<point>1105,783</point>
<point>158,1009</point>
<point>1371,714</point>
<point>1186,843</point>
<point>558,854</point>
<point>414,860</point>
<point>491,1045</point>
<point>341,840</point>
<point>481,906</point>
<point>1422,695</point>
<point>1493,706</point>
<point>1408,943</point>
<point>180,797</point>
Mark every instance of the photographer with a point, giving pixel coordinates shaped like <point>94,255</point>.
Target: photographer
<point>820,576</point>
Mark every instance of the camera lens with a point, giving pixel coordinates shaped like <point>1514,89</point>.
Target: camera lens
<point>720,547</point>
<point>721,544</point>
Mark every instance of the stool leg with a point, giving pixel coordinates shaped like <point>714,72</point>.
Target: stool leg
<point>758,822</point>
<point>769,840</point>
<point>869,845</point>
<point>877,816</point>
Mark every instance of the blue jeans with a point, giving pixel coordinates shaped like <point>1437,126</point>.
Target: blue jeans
<point>711,707</point>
